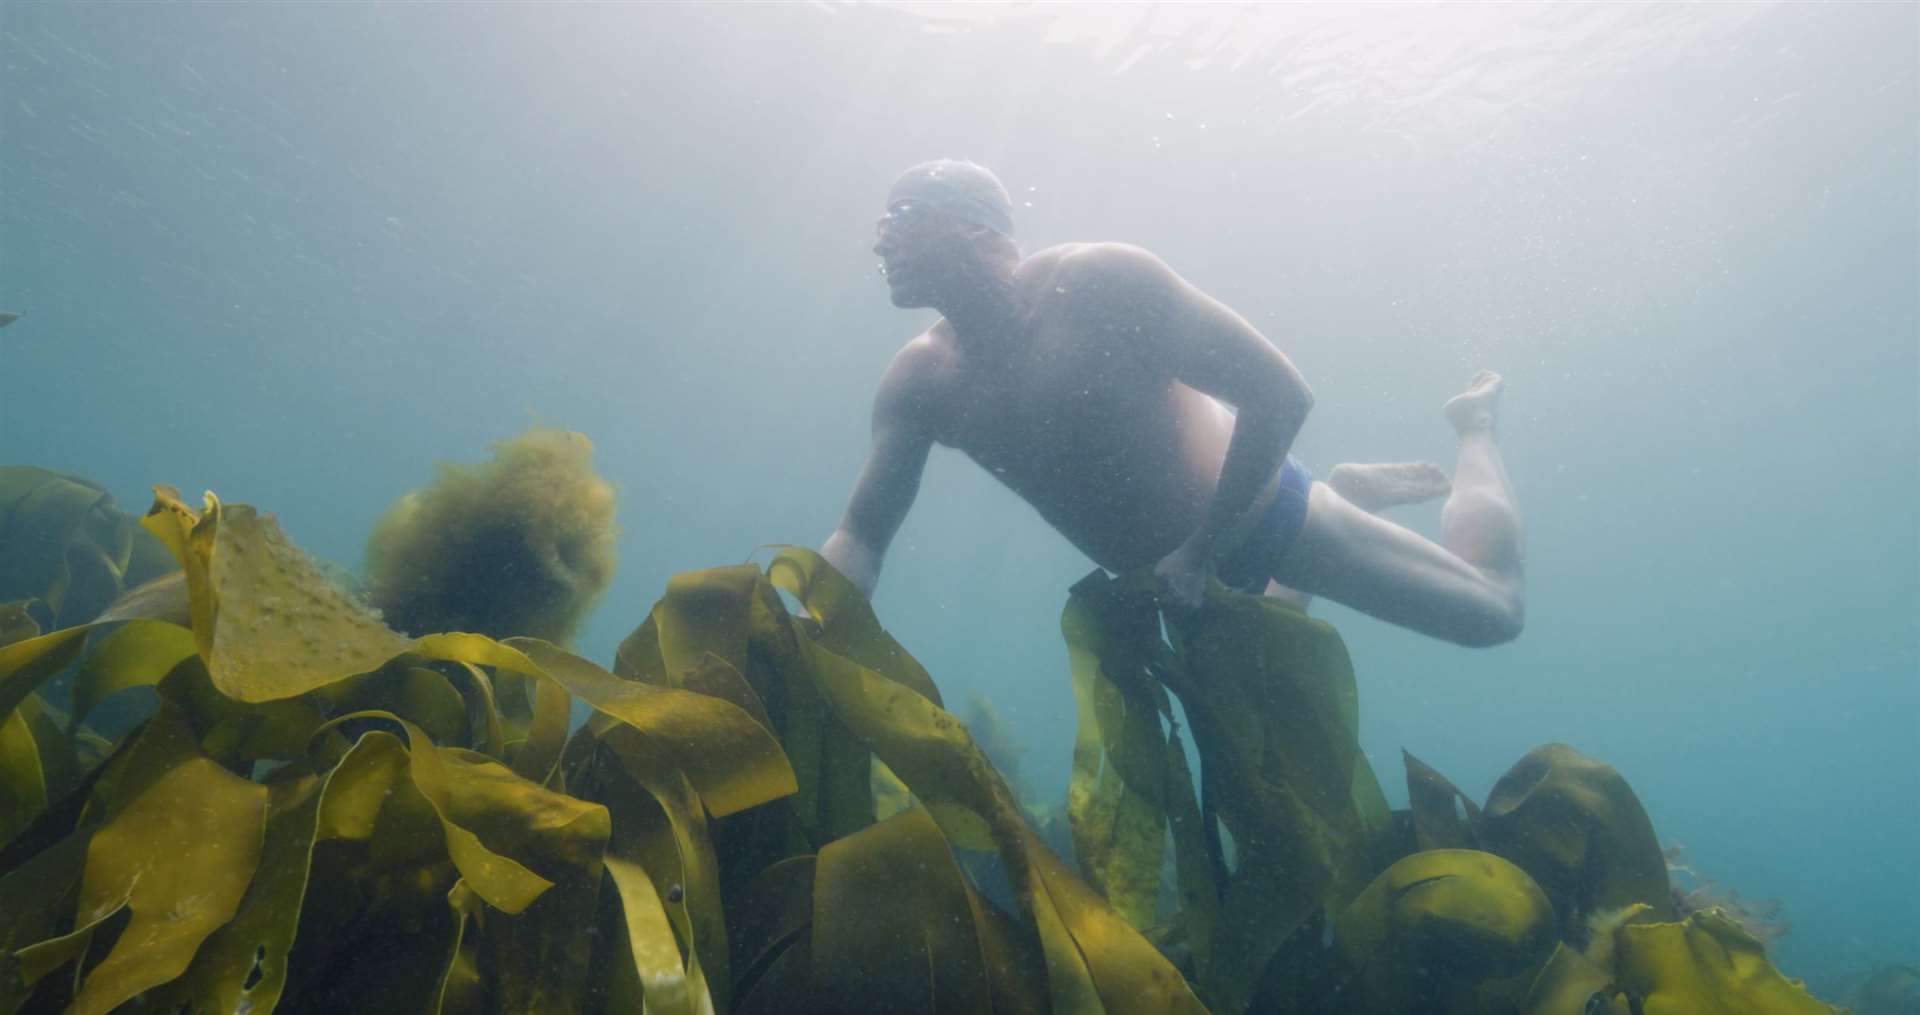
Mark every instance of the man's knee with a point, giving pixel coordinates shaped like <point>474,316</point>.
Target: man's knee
<point>1502,622</point>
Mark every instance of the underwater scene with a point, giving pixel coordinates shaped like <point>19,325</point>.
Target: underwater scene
<point>873,507</point>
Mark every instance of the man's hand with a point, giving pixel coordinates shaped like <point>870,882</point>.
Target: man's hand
<point>1181,576</point>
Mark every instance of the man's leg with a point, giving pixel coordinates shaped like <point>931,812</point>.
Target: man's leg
<point>1374,487</point>
<point>1377,486</point>
<point>1467,591</point>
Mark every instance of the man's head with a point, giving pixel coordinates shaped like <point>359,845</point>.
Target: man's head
<point>948,229</point>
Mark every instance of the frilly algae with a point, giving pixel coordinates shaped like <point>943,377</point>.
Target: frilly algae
<point>521,545</point>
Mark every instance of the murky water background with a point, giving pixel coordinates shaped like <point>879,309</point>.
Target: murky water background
<point>297,254</point>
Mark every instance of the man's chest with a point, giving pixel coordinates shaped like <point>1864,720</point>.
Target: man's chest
<point>1063,391</point>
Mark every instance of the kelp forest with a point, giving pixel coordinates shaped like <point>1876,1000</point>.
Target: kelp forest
<point>235,780</point>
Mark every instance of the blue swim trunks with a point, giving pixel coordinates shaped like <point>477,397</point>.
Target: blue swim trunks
<point>1247,567</point>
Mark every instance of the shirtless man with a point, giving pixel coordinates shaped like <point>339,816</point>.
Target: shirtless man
<point>1089,378</point>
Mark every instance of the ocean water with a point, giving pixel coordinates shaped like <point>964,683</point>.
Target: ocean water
<point>298,254</point>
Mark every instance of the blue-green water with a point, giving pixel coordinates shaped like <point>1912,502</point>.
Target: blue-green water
<point>296,255</point>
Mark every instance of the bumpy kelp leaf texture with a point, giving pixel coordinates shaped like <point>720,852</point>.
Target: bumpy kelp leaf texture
<point>1436,929</point>
<point>269,624</point>
<point>1577,828</point>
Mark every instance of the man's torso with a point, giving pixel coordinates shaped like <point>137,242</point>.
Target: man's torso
<point>1072,412</point>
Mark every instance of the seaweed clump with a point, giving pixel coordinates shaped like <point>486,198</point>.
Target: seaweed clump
<point>521,545</point>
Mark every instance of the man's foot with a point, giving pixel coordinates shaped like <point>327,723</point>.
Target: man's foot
<point>1376,486</point>
<point>1474,408</point>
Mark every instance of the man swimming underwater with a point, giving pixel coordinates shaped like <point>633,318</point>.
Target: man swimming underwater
<point>1090,378</point>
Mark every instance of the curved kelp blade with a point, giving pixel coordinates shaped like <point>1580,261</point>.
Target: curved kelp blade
<point>892,928</point>
<point>1436,926</point>
<point>25,665</point>
<point>1270,696</point>
<point>848,626</point>
<point>729,758</point>
<point>659,828</point>
<point>1116,803</point>
<point>1443,817</point>
<point>723,621</point>
<point>138,654</point>
<point>243,966</point>
<point>179,855</point>
<point>1575,825</point>
<point>649,968</point>
<point>1095,960</point>
<point>504,883</point>
<point>537,961</point>
<point>23,777</point>
<point>1706,965</point>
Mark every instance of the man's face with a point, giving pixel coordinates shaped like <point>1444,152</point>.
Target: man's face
<point>923,251</point>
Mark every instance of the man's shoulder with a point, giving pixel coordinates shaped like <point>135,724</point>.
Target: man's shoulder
<point>1097,270</point>
<point>1102,257</point>
<point>920,370</point>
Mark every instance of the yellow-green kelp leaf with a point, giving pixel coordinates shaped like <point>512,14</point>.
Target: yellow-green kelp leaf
<point>1095,959</point>
<point>1443,817</point>
<point>243,966</point>
<point>138,654</point>
<point>1433,927</point>
<point>1115,799</point>
<point>281,627</point>
<point>536,961</point>
<point>767,916</point>
<point>376,928</point>
<point>1270,696</point>
<point>503,882</point>
<point>926,747</point>
<point>1571,984</point>
<point>725,620</point>
<point>25,665</point>
<point>732,760</point>
<point>1706,965</point>
<point>23,781</point>
<point>658,826</point>
<point>180,855</point>
<point>1575,825</point>
<point>848,626</point>
<point>892,930</point>
<point>267,623</point>
<point>651,956</point>
<point>36,898</point>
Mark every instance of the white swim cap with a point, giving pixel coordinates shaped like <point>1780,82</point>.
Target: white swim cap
<point>967,190</point>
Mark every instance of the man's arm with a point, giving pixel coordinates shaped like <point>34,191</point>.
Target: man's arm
<point>890,479</point>
<point>1208,347</point>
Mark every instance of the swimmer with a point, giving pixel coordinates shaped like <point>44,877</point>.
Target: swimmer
<point>1095,383</point>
